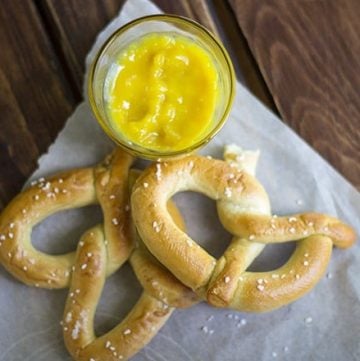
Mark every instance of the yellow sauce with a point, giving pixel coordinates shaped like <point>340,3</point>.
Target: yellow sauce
<point>164,92</point>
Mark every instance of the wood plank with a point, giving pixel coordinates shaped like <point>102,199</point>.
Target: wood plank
<point>65,20</point>
<point>218,17</point>
<point>73,26</point>
<point>248,72</point>
<point>34,96</point>
<point>308,52</point>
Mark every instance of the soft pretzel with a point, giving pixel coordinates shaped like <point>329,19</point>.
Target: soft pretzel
<point>134,332</point>
<point>162,291</point>
<point>105,184</point>
<point>238,196</point>
<point>263,291</point>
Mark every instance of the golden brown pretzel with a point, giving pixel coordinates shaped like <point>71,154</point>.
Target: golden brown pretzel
<point>161,289</point>
<point>134,332</point>
<point>105,184</point>
<point>238,196</point>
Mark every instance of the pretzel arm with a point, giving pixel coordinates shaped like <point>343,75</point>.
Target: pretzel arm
<point>267,229</point>
<point>67,190</point>
<point>153,276</point>
<point>134,332</point>
<point>241,252</point>
<point>265,291</point>
<point>111,183</point>
<point>158,282</point>
<point>229,268</point>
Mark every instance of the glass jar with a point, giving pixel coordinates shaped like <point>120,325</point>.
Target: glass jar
<point>102,69</point>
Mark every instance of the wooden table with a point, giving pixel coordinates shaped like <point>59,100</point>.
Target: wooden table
<point>300,57</point>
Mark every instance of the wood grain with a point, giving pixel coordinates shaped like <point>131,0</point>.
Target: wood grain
<point>34,96</point>
<point>308,52</point>
<point>66,20</point>
<point>72,26</point>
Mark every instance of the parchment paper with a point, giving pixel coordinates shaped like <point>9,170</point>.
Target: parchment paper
<point>296,178</point>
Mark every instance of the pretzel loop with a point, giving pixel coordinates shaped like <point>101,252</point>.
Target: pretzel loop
<point>126,339</point>
<point>105,184</point>
<point>241,202</point>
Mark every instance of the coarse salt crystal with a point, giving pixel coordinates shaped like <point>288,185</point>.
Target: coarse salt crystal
<point>68,317</point>
<point>260,287</point>
<point>227,192</point>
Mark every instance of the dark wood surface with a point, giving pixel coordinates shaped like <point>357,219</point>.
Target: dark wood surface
<point>300,64</point>
<point>309,55</point>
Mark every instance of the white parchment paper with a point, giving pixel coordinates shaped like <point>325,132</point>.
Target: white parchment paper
<point>296,178</point>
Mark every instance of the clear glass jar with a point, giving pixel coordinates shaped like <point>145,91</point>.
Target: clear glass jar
<point>103,65</point>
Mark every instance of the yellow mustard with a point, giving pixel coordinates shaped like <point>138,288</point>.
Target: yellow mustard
<point>164,92</point>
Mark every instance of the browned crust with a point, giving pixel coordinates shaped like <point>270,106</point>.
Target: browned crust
<point>106,184</point>
<point>126,339</point>
<point>65,191</point>
<point>177,251</point>
<point>156,280</point>
<point>270,229</point>
<point>244,211</point>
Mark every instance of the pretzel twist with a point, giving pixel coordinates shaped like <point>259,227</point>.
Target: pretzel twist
<point>161,289</point>
<point>241,201</point>
<point>106,184</point>
<point>134,332</point>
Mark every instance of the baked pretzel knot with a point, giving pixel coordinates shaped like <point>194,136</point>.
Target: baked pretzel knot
<point>244,210</point>
<point>126,339</point>
<point>161,289</point>
<point>105,184</point>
